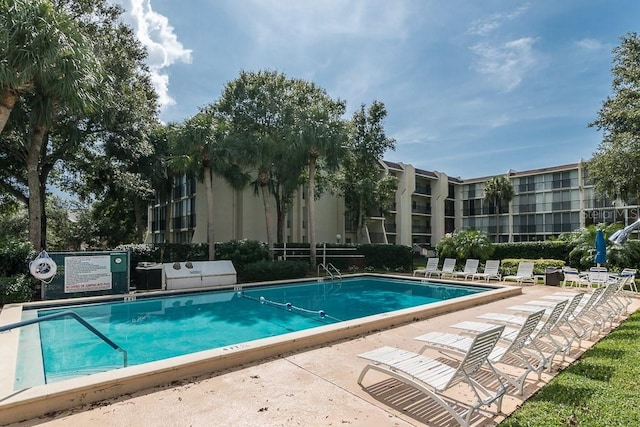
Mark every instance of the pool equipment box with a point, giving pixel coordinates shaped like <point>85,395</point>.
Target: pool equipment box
<point>199,274</point>
<point>82,274</point>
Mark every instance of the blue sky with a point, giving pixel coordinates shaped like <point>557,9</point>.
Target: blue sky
<point>472,88</point>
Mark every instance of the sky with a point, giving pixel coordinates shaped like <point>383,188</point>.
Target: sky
<point>472,88</point>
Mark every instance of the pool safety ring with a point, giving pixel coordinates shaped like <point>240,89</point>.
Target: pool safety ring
<point>43,267</point>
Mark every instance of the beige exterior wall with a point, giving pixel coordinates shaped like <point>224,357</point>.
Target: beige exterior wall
<point>418,215</point>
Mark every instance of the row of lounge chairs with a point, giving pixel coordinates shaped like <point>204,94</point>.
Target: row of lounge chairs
<point>597,277</point>
<point>496,353</point>
<point>470,271</point>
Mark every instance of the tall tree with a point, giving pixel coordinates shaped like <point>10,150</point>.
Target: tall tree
<point>64,78</point>
<point>96,130</point>
<point>254,106</point>
<point>498,190</point>
<point>202,148</point>
<point>320,133</point>
<point>361,181</point>
<point>614,165</point>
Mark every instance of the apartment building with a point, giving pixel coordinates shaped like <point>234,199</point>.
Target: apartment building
<point>428,204</point>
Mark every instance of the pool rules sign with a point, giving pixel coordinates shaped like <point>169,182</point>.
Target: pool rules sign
<point>87,273</point>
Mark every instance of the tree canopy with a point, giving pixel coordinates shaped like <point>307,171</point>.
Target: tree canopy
<point>615,164</point>
<point>365,188</point>
<point>81,113</point>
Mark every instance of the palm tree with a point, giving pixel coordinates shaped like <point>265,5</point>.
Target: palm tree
<point>497,190</point>
<point>47,56</point>
<point>321,134</point>
<point>203,150</point>
<point>43,51</point>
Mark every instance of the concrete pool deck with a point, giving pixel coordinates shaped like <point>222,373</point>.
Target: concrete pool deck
<point>313,387</point>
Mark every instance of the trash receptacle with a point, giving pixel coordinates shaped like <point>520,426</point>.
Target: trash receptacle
<point>553,276</point>
<point>148,276</point>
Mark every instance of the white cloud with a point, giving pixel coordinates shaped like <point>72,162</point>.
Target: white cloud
<point>590,44</point>
<point>506,64</point>
<point>158,36</point>
<point>306,23</point>
<point>482,27</point>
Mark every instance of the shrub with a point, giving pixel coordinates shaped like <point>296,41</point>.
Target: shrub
<point>387,257</point>
<point>242,252</point>
<point>15,289</point>
<point>273,270</point>
<point>14,256</point>
<point>582,243</point>
<point>556,249</point>
<point>465,244</point>
<point>509,266</point>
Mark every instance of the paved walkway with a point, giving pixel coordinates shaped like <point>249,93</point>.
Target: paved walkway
<point>317,387</point>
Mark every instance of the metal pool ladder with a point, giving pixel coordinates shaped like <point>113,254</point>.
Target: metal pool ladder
<point>331,271</point>
<point>79,319</point>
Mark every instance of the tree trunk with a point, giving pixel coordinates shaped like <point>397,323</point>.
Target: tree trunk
<point>266,194</point>
<point>7,101</point>
<point>208,185</point>
<point>137,209</point>
<point>360,226</point>
<point>497,222</point>
<point>167,218</point>
<point>35,191</point>
<point>311,212</point>
<point>280,215</point>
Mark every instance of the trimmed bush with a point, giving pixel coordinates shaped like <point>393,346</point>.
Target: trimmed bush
<point>273,270</point>
<point>242,252</point>
<point>533,250</point>
<point>509,266</point>
<point>15,289</point>
<point>387,257</point>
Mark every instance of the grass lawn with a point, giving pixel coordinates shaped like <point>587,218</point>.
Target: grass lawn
<point>601,389</point>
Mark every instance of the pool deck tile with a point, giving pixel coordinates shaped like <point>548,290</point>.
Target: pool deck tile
<point>317,387</point>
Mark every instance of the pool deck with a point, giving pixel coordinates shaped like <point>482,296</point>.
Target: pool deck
<point>308,388</point>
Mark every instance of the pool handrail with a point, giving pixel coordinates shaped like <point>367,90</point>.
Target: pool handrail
<point>76,316</point>
<point>327,268</point>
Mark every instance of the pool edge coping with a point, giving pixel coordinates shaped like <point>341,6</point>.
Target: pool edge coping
<point>36,401</point>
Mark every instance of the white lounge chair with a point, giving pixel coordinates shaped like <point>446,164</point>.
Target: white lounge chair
<point>630,272</point>
<point>434,378</point>
<point>524,274</point>
<point>598,276</point>
<point>491,271</point>
<point>563,327</point>
<point>470,268</point>
<point>447,268</point>
<point>514,351</point>
<point>432,265</point>
<point>542,336</point>
<point>573,277</point>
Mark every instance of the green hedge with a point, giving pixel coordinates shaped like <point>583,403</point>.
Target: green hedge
<point>387,257</point>
<point>533,250</point>
<point>509,266</point>
<point>273,270</point>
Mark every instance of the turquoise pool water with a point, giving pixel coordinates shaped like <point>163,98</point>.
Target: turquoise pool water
<point>155,328</point>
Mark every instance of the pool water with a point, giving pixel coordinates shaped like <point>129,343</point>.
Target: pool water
<point>156,328</point>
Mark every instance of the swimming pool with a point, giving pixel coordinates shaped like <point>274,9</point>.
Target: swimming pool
<point>151,329</point>
<point>36,400</point>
